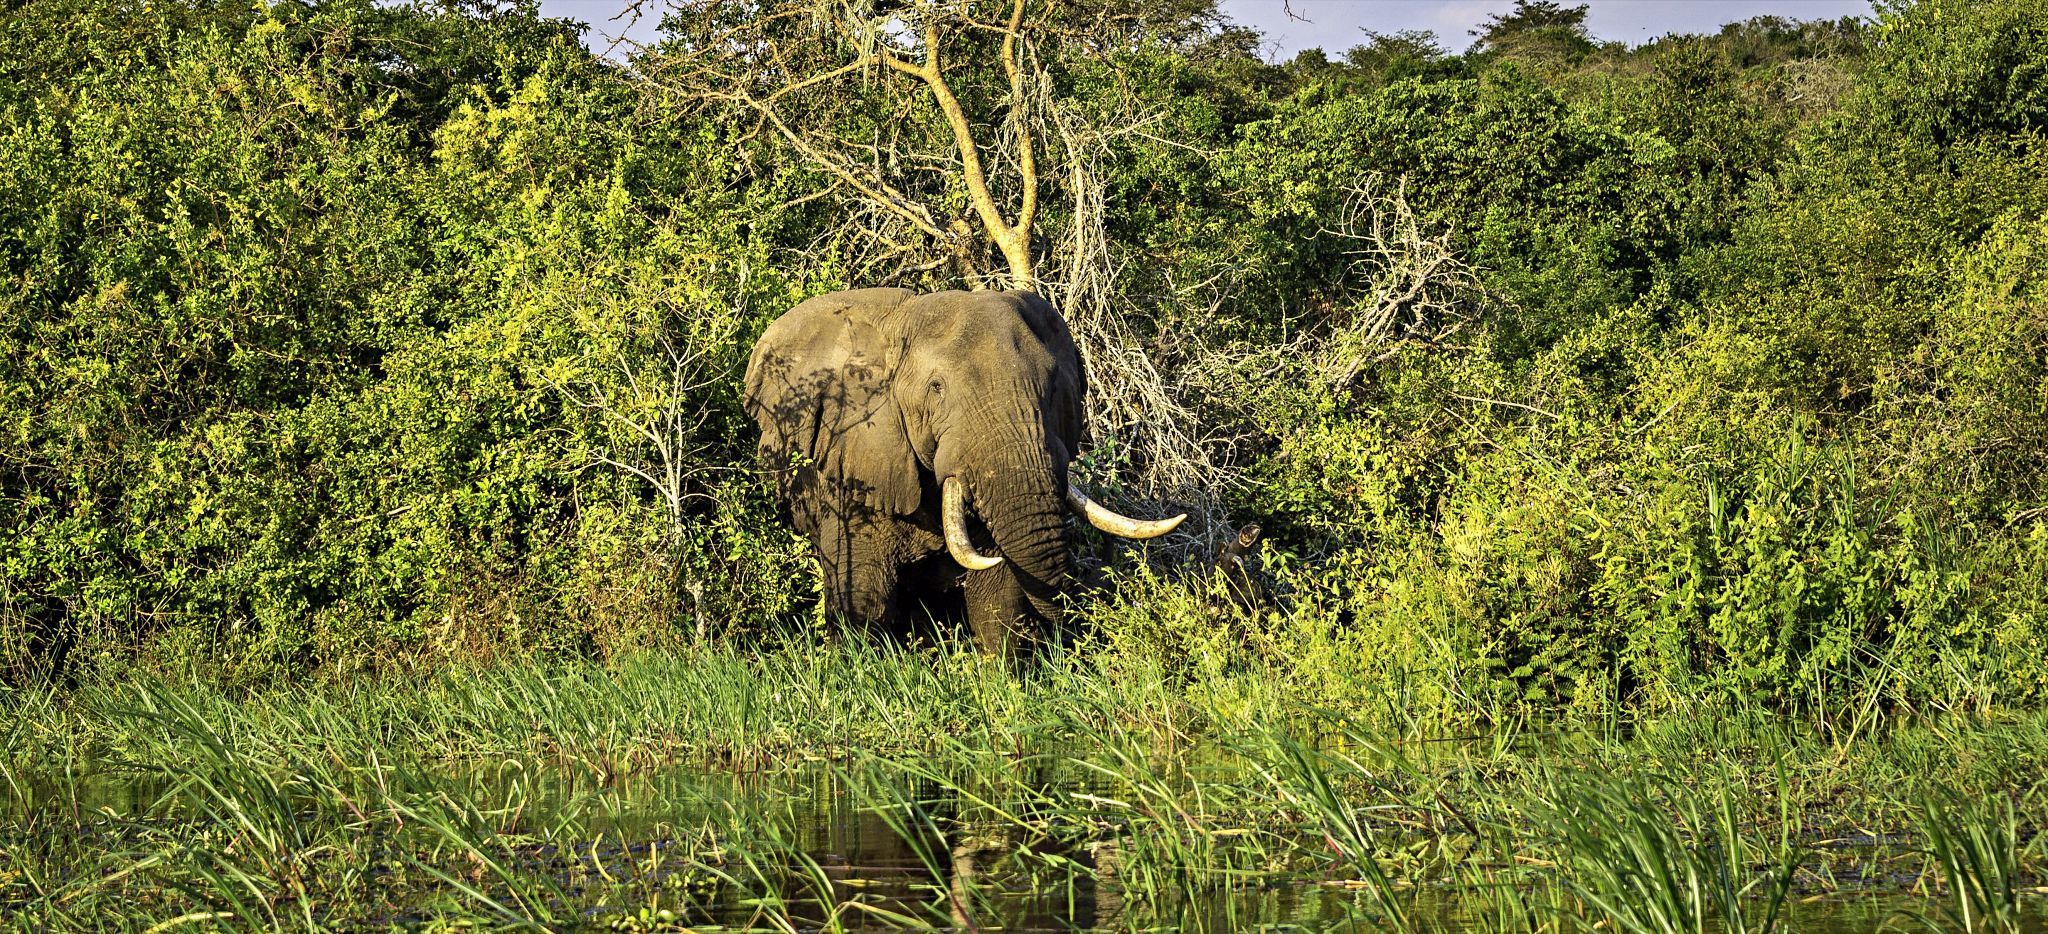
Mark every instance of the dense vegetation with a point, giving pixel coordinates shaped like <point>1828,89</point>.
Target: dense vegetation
<point>329,331</point>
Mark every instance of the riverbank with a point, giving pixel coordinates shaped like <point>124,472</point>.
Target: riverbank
<point>803,786</point>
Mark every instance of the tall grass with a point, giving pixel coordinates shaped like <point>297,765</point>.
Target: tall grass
<point>1653,856</point>
<point>717,787</point>
<point>1975,844</point>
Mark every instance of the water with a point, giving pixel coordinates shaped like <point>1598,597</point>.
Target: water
<point>817,846</point>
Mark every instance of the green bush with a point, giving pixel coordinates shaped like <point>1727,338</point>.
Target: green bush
<point>340,337</point>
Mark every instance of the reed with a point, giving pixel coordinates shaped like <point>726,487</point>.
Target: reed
<point>1654,856</point>
<point>1974,843</point>
<point>703,788</point>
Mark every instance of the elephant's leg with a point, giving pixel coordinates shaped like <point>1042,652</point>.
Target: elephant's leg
<point>875,578</point>
<point>858,566</point>
<point>835,570</point>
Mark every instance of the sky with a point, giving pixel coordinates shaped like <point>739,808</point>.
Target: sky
<point>1336,25</point>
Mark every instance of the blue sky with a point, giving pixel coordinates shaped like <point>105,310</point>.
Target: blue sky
<point>1335,25</point>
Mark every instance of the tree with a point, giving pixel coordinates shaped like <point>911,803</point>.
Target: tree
<point>1536,29</point>
<point>792,68</point>
<point>1392,56</point>
<point>937,117</point>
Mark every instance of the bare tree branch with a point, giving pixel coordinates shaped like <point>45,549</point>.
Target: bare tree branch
<point>793,65</point>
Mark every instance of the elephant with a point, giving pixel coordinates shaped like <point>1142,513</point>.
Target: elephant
<point>921,442</point>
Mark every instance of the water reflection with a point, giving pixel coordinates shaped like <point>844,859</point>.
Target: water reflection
<point>822,845</point>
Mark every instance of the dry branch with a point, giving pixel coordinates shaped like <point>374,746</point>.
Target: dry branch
<point>792,67</point>
<point>1415,285</point>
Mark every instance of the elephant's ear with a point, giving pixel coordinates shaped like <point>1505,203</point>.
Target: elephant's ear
<point>1070,381</point>
<point>818,385</point>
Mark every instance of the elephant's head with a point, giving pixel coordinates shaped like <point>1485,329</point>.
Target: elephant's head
<point>990,387</point>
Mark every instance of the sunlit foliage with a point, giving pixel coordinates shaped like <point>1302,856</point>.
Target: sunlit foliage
<point>329,333</point>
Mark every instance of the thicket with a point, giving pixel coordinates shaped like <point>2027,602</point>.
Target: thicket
<point>1561,375</point>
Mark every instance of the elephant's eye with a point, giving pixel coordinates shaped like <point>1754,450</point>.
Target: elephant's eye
<point>938,387</point>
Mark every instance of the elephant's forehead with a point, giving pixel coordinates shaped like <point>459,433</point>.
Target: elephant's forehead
<point>980,334</point>
<point>965,326</point>
<point>968,306</point>
<point>888,328</point>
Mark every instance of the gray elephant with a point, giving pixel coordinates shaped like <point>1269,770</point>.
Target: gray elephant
<point>921,442</point>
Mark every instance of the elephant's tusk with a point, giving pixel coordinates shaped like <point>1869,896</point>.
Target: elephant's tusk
<point>1116,524</point>
<point>955,517</point>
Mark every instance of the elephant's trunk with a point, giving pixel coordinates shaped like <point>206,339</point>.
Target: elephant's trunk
<point>1020,494</point>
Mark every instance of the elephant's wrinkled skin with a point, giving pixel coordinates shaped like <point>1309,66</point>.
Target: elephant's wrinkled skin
<point>871,400</point>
